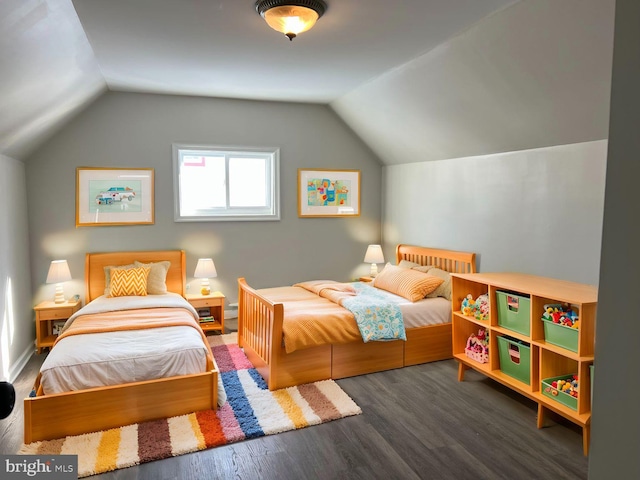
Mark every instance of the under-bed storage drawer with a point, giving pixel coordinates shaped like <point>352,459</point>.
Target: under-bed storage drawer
<point>357,358</point>
<point>428,344</point>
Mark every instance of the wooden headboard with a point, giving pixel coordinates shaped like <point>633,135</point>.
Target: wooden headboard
<point>448,260</point>
<point>95,263</point>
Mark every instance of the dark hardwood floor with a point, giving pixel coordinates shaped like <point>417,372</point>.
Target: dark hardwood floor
<point>417,423</point>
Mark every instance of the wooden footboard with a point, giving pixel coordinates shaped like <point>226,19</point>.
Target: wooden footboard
<point>259,328</point>
<point>260,335</point>
<point>84,411</point>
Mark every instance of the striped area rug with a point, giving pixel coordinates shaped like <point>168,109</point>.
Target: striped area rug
<point>251,411</point>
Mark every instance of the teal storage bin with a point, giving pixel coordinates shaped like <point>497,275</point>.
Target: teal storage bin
<point>557,395</point>
<point>515,358</point>
<point>560,335</point>
<point>514,312</point>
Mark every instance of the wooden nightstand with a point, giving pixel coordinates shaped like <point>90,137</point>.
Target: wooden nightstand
<point>47,313</point>
<point>214,305</point>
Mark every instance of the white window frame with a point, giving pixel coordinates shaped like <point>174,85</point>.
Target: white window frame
<point>271,212</point>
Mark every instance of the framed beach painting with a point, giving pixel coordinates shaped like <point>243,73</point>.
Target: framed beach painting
<point>114,196</point>
<point>328,193</point>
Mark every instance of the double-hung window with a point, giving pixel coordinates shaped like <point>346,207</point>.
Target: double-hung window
<point>221,183</point>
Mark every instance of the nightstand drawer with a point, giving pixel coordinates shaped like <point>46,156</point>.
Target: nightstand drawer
<point>206,302</point>
<point>55,314</point>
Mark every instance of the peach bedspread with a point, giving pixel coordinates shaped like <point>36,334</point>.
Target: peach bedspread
<point>303,308</point>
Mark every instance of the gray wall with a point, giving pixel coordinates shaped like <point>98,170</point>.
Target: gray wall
<point>137,130</point>
<point>17,330</point>
<point>535,211</point>
<point>615,438</point>
<point>534,74</point>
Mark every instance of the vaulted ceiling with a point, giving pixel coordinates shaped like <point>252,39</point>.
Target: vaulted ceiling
<point>410,68</point>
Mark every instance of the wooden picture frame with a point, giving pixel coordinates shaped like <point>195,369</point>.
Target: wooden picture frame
<point>328,193</point>
<point>114,196</point>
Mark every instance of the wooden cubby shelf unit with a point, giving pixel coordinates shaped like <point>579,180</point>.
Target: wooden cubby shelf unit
<point>547,360</point>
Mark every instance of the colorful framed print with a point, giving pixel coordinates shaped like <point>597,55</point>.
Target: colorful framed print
<point>114,196</point>
<point>328,193</point>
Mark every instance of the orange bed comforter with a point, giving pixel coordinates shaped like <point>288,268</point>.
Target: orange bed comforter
<point>313,319</point>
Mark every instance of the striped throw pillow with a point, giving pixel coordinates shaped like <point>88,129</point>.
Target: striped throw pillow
<point>405,282</point>
<point>129,282</point>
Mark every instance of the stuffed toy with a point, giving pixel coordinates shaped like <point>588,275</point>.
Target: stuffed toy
<point>482,307</point>
<point>468,306</point>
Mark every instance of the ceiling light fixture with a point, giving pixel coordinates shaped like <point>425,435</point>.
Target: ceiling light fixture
<point>291,17</point>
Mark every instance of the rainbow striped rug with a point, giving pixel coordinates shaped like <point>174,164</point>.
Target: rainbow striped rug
<point>251,411</point>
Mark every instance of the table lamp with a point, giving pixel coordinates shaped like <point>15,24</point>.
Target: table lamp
<point>205,269</point>
<point>58,273</point>
<point>374,256</point>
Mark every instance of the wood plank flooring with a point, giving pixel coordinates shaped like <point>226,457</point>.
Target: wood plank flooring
<point>418,423</point>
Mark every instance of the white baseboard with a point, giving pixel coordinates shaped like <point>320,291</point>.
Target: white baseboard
<point>17,367</point>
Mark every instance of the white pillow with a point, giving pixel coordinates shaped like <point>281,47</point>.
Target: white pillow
<point>156,281</point>
<point>444,289</point>
<point>415,266</point>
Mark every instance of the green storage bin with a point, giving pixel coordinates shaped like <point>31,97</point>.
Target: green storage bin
<point>515,359</point>
<point>514,312</point>
<point>557,395</point>
<point>560,335</point>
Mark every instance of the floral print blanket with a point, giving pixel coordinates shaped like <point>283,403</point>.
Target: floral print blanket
<point>377,313</point>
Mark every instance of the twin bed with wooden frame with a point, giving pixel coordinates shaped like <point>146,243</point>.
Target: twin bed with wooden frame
<point>260,333</point>
<point>81,411</point>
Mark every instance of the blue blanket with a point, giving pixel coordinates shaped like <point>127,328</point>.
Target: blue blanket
<point>377,313</point>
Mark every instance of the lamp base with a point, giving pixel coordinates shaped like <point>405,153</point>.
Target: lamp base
<point>205,289</point>
<point>59,298</point>
<point>374,270</point>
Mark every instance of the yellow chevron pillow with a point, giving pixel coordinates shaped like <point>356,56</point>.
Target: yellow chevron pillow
<point>407,283</point>
<point>129,282</point>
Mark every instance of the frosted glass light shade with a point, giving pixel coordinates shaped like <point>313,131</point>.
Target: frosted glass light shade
<point>58,273</point>
<point>291,17</point>
<point>205,269</point>
<point>291,20</point>
<point>374,256</point>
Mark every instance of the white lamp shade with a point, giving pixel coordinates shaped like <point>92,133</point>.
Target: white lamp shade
<point>58,272</point>
<point>205,269</point>
<point>374,254</point>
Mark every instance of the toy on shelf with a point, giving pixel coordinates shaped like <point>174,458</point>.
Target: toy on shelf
<point>468,306</point>
<point>482,307</point>
<point>568,385</point>
<point>478,346</point>
<point>478,308</point>
<point>557,314</point>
